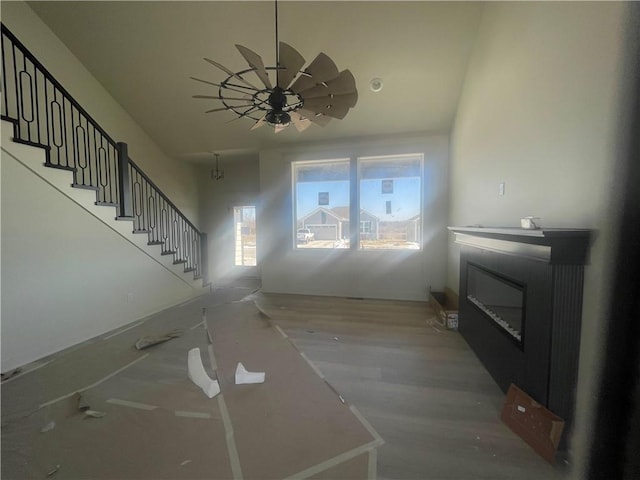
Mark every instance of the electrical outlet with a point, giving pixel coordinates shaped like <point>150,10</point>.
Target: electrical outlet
<point>501,189</point>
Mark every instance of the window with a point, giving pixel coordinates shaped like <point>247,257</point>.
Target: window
<point>390,199</point>
<point>322,192</point>
<point>244,220</point>
<point>388,190</point>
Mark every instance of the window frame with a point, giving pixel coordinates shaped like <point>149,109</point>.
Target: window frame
<point>354,179</point>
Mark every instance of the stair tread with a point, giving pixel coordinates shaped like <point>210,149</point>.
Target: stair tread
<point>84,187</point>
<point>58,167</point>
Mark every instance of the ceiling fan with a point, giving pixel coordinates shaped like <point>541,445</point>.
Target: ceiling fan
<point>314,95</point>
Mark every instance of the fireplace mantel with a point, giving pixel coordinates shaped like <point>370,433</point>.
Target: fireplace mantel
<point>538,351</point>
<point>568,246</point>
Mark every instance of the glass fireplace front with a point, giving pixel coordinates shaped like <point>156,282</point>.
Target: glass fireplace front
<point>500,299</point>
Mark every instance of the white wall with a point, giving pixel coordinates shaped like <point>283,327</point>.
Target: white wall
<point>240,187</point>
<point>176,180</point>
<point>539,111</point>
<point>372,274</point>
<point>66,276</point>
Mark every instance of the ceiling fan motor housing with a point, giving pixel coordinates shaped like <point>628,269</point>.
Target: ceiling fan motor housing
<point>277,101</point>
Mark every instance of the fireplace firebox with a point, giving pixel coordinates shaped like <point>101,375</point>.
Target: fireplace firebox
<point>521,308</point>
<point>500,299</point>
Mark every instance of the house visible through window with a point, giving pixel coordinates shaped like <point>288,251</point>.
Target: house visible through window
<point>322,193</point>
<point>391,198</point>
<point>389,193</point>
<point>365,226</point>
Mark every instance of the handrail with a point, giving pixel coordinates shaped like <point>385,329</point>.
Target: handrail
<point>144,175</point>
<point>44,114</point>
<point>51,78</point>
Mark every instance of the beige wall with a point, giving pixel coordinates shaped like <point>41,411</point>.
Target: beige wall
<point>176,180</point>
<point>391,274</point>
<point>539,111</point>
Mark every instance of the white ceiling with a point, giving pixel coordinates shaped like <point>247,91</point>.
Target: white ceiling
<point>145,52</point>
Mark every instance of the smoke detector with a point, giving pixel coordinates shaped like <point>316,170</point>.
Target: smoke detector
<point>376,84</point>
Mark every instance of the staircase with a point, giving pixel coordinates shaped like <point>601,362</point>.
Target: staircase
<point>80,160</point>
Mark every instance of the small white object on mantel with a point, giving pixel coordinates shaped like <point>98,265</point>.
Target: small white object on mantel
<point>528,223</point>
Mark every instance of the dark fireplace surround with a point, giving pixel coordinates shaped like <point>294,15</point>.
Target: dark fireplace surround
<point>521,308</point>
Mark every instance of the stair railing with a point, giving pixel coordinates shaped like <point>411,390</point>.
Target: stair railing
<point>45,115</point>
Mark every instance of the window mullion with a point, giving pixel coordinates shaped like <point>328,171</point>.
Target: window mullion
<point>354,205</point>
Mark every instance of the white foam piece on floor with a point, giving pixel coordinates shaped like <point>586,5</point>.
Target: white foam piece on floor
<point>198,375</point>
<point>245,377</point>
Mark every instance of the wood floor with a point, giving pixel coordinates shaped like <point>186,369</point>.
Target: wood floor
<point>419,385</point>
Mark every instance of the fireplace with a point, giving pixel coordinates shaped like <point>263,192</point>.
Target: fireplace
<point>500,299</point>
<point>521,308</point>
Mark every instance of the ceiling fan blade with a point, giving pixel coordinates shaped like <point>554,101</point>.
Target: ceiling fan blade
<point>255,61</point>
<point>205,81</point>
<point>301,123</point>
<point>326,106</point>
<point>318,119</point>
<point>218,109</point>
<point>244,114</point>
<point>320,70</point>
<point>259,123</point>
<point>343,84</point>
<point>218,85</point>
<point>290,64</point>
<point>349,100</point>
<point>223,98</point>
<point>230,73</point>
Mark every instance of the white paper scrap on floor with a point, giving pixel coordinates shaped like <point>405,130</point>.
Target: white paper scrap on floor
<point>198,375</point>
<point>244,377</point>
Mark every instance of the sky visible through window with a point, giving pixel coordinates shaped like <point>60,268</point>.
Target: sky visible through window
<point>405,199</point>
<point>307,195</point>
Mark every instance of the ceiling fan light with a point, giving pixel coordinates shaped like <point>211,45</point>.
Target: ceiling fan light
<point>278,118</point>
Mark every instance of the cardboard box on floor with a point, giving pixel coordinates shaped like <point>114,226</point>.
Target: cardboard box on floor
<point>445,306</point>
<point>535,424</point>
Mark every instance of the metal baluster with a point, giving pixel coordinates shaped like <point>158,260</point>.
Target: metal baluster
<point>5,105</point>
<point>47,113</point>
<point>76,149</point>
<point>37,106</point>
<point>113,158</point>
<point>15,84</point>
<point>57,139</point>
